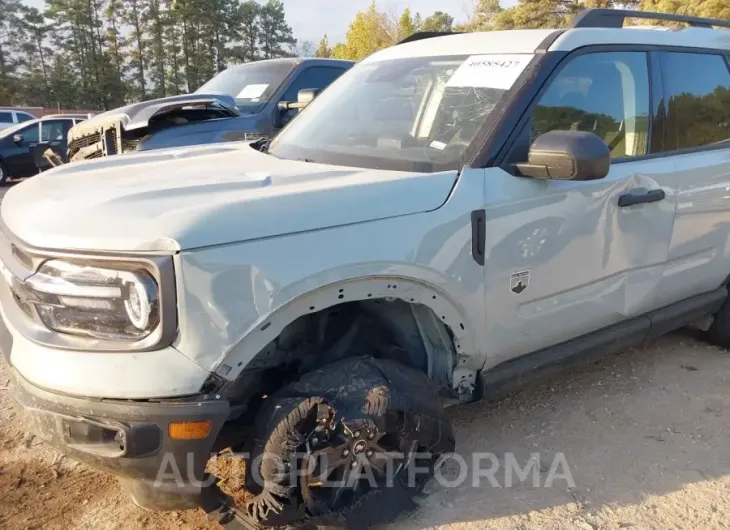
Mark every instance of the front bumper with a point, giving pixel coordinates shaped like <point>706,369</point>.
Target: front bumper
<point>128,439</point>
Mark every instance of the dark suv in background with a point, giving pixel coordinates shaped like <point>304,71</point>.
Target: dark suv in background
<point>23,145</point>
<point>244,102</point>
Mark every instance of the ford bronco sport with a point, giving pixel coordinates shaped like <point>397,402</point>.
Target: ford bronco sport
<point>454,213</point>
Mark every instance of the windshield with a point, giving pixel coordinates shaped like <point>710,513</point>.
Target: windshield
<point>410,114</point>
<point>251,84</point>
<point>15,128</point>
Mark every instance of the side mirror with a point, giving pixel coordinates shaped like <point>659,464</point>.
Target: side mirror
<point>306,96</point>
<point>567,155</point>
<point>18,138</point>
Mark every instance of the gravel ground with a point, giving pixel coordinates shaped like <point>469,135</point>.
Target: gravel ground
<point>643,435</point>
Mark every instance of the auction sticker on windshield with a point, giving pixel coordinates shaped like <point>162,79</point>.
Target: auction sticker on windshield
<point>489,71</point>
<point>252,91</point>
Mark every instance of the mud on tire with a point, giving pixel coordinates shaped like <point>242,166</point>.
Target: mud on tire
<point>350,411</point>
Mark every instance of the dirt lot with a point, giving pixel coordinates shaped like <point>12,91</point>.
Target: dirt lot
<point>644,434</point>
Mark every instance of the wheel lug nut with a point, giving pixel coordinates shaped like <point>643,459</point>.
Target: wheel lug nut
<point>356,434</point>
<point>354,463</point>
<point>369,453</point>
<point>346,452</point>
<point>371,435</point>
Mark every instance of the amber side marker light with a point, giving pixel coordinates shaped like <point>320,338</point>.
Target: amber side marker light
<point>189,430</point>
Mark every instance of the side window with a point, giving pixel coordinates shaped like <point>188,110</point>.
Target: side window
<point>697,94</point>
<point>604,93</point>
<point>22,116</point>
<point>6,117</point>
<point>30,134</point>
<point>315,77</point>
<point>52,130</point>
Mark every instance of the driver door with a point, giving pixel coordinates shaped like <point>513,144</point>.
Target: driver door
<point>562,257</point>
<point>19,158</point>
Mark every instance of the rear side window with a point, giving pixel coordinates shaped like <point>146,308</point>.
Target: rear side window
<point>604,93</point>
<point>52,131</point>
<point>6,117</point>
<point>318,77</point>
<point>22,116</point>
<point>697,95</point>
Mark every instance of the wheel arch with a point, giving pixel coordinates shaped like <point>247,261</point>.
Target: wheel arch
<point>443,324</point>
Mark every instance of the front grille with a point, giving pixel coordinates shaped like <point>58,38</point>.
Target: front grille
<point>84,141</point>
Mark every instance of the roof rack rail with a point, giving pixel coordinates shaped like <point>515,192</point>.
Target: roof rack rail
<point>614,18</point>
<point>420,35</point>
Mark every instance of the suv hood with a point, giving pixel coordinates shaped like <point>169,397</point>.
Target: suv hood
<point>176,199</point>
<point>138,115</point>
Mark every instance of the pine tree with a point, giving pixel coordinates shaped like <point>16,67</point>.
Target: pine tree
<point>132,16</point>
<point>275,36</point>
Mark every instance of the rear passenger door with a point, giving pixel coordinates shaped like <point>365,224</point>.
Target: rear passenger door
<point>52,136</point>
<point>695,136</point>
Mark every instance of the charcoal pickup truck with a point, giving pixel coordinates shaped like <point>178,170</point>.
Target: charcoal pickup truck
<point>244,102</point>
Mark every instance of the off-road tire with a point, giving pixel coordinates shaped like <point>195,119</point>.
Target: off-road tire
<point>358,389</point>
<point>719,332</point>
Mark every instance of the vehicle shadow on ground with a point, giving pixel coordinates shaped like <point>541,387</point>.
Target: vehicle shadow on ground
<point>645,422</point>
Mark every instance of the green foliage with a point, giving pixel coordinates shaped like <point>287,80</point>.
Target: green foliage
<point>324,49</point>
<point>100,54</point>
<point>439,21</point>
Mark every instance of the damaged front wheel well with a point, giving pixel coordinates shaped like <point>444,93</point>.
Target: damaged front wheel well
<point>386,328</point>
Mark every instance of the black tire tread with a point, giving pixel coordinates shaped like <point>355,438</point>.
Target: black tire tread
<point>378,386</point>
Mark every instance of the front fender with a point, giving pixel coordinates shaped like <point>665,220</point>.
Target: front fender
<point>234,299</point>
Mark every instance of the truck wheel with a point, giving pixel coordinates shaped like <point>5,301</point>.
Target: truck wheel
<point>347,446</point>
<point>719,332</point>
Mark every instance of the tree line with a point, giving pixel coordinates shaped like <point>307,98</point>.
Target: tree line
<point>373,29</point>
<point>101,54</point>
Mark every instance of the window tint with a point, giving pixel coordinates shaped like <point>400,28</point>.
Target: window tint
<point>697,92</point>
<point>315,77</point>
<point>22,116</point>
<point>603,93</point>
<point>6,117</point>
<point>52,131</point>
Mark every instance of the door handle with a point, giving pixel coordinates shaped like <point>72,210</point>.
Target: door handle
<point>631,198</point>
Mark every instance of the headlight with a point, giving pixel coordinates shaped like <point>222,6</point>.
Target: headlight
<point>93,301</point>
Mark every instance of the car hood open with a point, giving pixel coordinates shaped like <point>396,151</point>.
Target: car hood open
<point>175,199</point>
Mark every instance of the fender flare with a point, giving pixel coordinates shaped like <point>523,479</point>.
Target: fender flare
<point>409,290</point>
